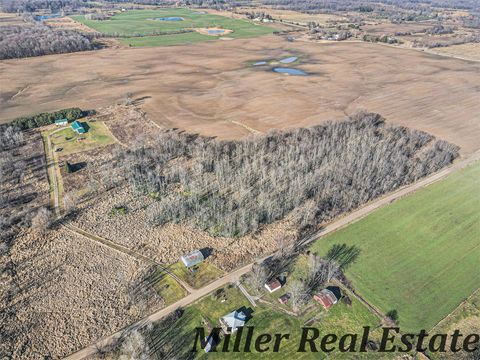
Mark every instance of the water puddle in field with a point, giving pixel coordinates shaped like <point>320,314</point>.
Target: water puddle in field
<point>260,63</point>
<point>215,31</point>
<point>46,17</point>
<point>172,18</point>
<point>289,60</point>
<point>290,71</point>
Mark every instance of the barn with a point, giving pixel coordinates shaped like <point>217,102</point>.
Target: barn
<point>325,297</point>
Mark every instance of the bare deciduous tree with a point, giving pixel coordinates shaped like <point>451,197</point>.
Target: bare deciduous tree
<point>298,295</point>
<point>42,219</point>
<point>231,188</point>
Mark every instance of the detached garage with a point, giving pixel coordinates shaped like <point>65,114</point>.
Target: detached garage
<point>192,259</point>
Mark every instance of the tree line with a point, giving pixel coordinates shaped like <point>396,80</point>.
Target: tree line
<point>18,6</point>
<point>42,119</point>
<point>231,188</point>
<point>446,41</point>
<point>38,40</point>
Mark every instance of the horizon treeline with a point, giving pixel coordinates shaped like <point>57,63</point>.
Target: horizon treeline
<point>37,40</point>
<point>232,188</point>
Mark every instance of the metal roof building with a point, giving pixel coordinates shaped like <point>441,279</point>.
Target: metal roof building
<point>192,259</point>
<point>61,122</point>
<point>231,322</point>
<point>78,127</point>
<point>326,297</point>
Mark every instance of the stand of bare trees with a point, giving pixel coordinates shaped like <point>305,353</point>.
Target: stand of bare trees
<point>10,137</point>
<point>447,41</point>
<point>37,40</point>
<point>231,188</point>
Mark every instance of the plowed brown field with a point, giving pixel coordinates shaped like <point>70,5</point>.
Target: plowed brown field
<point>212,89</point>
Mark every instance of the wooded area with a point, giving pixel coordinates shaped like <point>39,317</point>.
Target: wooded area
<point>26,41</point>
<point>231,188</point>
<point>34,121</point>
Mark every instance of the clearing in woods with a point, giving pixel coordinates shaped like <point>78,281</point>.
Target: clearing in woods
<point>421,250</point>
<point>170,26</point>
<point>70,142</point>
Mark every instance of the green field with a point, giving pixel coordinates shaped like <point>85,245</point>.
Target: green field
<point>71,142</point>
<point>168,288</point>
<point>154,32</point>
<point>420,255</point>
<point>204,274</point>
<point>339,320</point>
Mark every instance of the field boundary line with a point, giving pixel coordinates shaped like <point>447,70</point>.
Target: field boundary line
<point>463,302</point>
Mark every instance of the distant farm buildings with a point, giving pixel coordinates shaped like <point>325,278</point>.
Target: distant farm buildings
<point>326,297</point>
<point>61,122</point>
<point>78,127</point>
<point>192,259</point>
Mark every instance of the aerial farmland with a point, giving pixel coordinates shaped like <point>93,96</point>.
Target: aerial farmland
<point>239,180</point>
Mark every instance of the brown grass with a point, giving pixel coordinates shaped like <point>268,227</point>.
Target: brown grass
<point>167,243</point>
<point>7,19</point>
<point>464,51</point>
<point>204,87</point>
<point>67,291</point>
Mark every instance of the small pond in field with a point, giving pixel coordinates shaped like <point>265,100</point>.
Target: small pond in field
<point>215,31</point>
<point>289,60</point>
<point>260,63</point>
<point>172,18</point>
<point>46,17</point>
<point>290,71</point>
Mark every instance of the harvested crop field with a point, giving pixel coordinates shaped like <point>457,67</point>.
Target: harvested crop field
<point>464,51</point>
<point>62,291</point>
<point>210,88</point>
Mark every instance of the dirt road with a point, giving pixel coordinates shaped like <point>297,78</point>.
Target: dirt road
<point>52,170</point>
<point>235,275</point>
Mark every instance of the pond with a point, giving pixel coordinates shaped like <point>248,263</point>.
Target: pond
<point>289,60</point>
<point>260,63</point>
<point>46,17</point>
<point>215,31</point>
<point>172,18</point>
<point>290,71</point>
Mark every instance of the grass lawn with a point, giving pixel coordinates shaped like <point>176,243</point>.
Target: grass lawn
<point>339,320</point>
<point>204,274</point>
<point>67,139</point>
<point>168,288</point>
<point>419,255</point>
<point>143,22</point>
